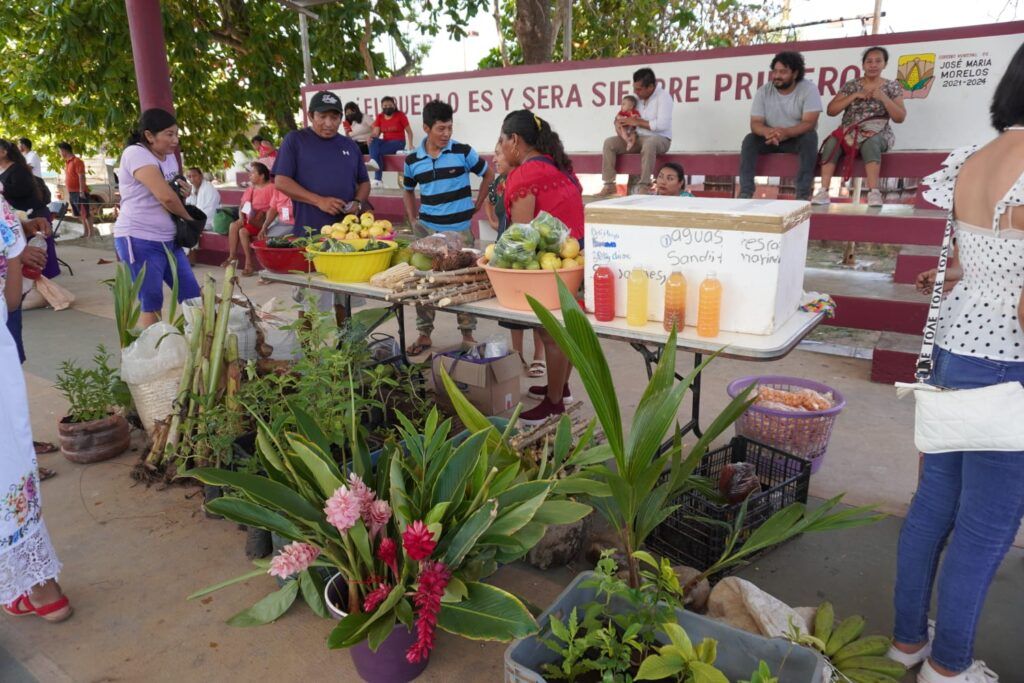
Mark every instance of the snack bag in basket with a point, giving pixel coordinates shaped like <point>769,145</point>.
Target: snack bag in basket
<point>516,247</point>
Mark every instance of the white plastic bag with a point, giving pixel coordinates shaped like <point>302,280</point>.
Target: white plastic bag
<point>158,350</point>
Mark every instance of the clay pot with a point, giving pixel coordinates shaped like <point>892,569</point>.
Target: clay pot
<point>93,441</point>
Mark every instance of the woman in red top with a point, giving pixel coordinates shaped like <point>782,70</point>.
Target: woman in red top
<point>391,133</point>
<point>541,179</point>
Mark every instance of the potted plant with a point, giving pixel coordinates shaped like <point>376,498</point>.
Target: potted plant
<point>637,489</point>
<point>601,629</point>
<point>92,430</point>
<point>411,538</point>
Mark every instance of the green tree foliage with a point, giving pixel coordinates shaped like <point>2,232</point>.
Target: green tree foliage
<point>617,28</point>
<point>67,71</point>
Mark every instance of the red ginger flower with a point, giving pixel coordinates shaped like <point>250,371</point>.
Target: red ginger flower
<point>387,552</point>
<point>375,597</point>
<point>418,542</point>
<point>434,578</point>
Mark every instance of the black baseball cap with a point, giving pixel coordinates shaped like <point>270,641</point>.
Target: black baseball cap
<point>325,101</point>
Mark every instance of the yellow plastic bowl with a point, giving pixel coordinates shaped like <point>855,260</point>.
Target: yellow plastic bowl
<point>511,286</point>
<point>357,266</point>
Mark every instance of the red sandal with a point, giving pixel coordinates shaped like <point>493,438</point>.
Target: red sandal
<point>23,607</point>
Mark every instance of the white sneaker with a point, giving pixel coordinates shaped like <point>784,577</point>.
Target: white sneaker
<point>376,184</point>
<point>821,198</point>
<point>912,659</point>
<point>875,198</point>
<point>976,673</point>
<point>371,165</point>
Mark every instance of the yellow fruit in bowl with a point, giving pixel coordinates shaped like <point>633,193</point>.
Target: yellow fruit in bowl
<point>327,230</point>
<point>569,263</point>
<point>352,235</point>
<point>550,262</point>
<point>364,233</point>
<point>579,259</point>
<point>570,248</point>
<point>376,231</point>
<point>489,253</point>
<point>350,218</point>
<point>366,220</point>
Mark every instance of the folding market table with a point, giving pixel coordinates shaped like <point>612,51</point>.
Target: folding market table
<point>648,341</point>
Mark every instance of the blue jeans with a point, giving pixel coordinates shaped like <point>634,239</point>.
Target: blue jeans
<point>379,147</point>
<point>976,496</point>
<point>151,254</point>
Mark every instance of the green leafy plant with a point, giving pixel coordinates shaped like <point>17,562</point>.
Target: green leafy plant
<point>93,392</point>
<point>633,495</point>
<point>127,307</point>
<point>681,661</point>
<point>451,515</point>
<point>762,675</point>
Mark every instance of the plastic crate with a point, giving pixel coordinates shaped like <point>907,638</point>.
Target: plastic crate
<point>695,535</point>
<point>738,651</point>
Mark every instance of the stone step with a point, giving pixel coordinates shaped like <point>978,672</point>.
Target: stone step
<point>894,357</point>
<point>912,260</point>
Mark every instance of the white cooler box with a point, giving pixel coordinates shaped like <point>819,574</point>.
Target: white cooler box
<point>756,247</point>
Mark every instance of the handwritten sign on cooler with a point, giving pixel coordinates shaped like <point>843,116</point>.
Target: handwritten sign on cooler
<point>756,248</point>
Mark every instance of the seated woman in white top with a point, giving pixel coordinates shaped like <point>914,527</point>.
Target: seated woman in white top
<point>357,126</point>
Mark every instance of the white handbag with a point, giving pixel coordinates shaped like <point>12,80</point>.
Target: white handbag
<point>950,420</point>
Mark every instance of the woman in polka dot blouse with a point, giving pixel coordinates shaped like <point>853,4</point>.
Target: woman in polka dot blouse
<point>974,500</point>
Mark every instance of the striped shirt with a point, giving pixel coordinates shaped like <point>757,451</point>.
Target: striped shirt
<point>446,199</point>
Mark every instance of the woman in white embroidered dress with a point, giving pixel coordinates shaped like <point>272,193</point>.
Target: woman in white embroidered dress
<point>28,563</point>
<point>969,504</point>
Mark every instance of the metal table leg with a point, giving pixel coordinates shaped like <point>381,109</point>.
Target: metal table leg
<point>651,358</point>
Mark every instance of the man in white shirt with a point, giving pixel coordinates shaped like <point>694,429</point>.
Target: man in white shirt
<point>31,157</point>
<point>204,195</point>
<point>653,128</point>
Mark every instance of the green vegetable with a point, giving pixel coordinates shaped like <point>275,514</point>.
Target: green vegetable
<point>421,261</point>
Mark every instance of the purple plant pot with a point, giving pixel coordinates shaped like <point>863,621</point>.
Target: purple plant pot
<point>388,664</point>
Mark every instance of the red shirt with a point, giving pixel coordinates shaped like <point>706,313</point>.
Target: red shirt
<point>74,169</point>
<point>556,192</point>
<point>393,128</point>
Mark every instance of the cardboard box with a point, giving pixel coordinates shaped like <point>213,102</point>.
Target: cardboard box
<point>490,384</point>
<point>757,248</point>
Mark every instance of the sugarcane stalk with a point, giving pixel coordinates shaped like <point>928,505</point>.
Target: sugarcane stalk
<point>458,271</point>
<point>465,298</point>
<point>219,334</point>
<point>181,400</point>
<point>469,277</point>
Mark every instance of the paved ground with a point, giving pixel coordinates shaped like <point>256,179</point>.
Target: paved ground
<point>132,554</point>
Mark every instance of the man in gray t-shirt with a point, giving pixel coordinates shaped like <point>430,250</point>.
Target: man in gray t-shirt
<point>784,118</point>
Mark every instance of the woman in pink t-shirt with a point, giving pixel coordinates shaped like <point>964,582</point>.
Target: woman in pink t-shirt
<point>144,227</point>
<point>252,214</point>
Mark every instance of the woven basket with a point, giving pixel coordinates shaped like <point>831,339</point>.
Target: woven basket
<point>154,400</point>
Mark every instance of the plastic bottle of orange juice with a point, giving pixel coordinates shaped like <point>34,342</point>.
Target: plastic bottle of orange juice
<point>675,302</point>
<point>636,297</point>
<point>709,307</point>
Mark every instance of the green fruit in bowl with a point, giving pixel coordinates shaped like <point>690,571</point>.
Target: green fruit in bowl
<point>532,265</point>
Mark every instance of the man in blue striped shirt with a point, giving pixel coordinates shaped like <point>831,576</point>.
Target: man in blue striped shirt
<point>440,166</point>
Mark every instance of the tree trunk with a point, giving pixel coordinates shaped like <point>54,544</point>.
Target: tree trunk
<point>364,47</point>
<point>535,30</point>
<point>501,36</point>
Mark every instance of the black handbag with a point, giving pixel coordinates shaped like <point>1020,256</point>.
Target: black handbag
<point>187,232</point>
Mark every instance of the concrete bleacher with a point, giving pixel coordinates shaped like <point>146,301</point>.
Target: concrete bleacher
<point>867,301</point>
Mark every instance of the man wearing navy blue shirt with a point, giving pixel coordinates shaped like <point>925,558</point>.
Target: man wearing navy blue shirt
<point>440,167</point>
<point>323,173</point>
<point>320,170</point>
